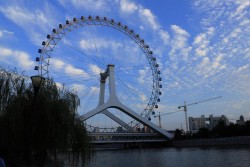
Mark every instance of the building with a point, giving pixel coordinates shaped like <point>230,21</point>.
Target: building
<point>196,123</point>
<point>241,121</point>
<point>211,122</point>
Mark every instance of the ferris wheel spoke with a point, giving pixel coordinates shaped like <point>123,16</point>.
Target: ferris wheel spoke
<point>99,51</point>
<point>77,52</point>
<point>87,58</point>
<point>133,92</point>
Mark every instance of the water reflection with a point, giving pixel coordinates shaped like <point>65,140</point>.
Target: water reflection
<point>171,157</point>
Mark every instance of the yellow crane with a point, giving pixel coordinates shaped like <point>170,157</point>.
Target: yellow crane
<point>159,115</point>
<point>185,107</point>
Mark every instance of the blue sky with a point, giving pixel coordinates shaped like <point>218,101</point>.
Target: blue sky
<point>202,47</point>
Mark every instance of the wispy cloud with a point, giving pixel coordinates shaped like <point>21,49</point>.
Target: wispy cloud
<point>128,7</point>
<point>179,47</point>
<point>78,87</point>
<point>144,76</point>
<point>201,42</point>
<point>212,53</point>
<point>111,48</point>
<point>95,69</point>
<point>88,5</point>
<point>149,17</point>
<point>23,17</point>
<point>145,16</point>
<point>72,71</point>
<point>59,66</point>
<point>14,57</point>
<point>57,63</point>
<point>34,21</point>
<point>26,20</point>
<point>208,68</point>
<point>90,44</point>
<point>4,33</point>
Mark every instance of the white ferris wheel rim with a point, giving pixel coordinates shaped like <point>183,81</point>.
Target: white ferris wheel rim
<point>57,34</point>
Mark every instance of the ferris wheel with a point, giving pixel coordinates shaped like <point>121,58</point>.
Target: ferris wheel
<point>77,52</point>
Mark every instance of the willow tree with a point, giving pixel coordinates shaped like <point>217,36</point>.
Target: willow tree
<point>35,127</point>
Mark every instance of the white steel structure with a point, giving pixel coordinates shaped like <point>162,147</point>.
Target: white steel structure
<point>113,102</point>
<point>56,38</point>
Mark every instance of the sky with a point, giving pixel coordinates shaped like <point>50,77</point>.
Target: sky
<point>202,47</point>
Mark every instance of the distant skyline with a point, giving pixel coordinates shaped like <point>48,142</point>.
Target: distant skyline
<point>202,47</point>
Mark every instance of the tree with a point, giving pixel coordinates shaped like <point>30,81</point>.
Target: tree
<point>219,130</point>
<point>37,127</point>
<point>203,133</point>
<point>178,134</point>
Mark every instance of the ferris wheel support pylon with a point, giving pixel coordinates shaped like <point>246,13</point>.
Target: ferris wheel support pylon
<point>114,102</point>
<point>103,77</point>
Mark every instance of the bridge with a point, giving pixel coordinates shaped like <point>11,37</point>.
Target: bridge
<point>136,137</point>
<point>131,134</point>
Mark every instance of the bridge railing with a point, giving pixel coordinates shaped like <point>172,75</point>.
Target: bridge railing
<point>125,137</point>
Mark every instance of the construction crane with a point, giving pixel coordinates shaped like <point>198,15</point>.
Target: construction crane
<point>159,116</point>
<point>185,108</point>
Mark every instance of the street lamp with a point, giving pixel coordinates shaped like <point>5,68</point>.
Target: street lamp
<point>37,81</point>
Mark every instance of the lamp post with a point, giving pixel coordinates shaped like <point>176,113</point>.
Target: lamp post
<point>37,81</point>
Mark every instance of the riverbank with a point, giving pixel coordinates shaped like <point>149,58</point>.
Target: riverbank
<point>226,141</point>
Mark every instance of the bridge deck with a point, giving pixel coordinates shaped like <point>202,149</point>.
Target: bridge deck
<point>127,141</point>
<point>122,134</point>
<point>114,137</point>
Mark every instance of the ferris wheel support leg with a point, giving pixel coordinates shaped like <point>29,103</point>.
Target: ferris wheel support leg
<point>94,111</point>
<point>101,101</point>
<point>118,120</point>
<point>113,102</point>
<point>143,120</point>
<point>103,109</point>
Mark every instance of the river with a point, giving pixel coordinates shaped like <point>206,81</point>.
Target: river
<point>173,157</point>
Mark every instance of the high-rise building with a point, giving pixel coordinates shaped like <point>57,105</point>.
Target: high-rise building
<point>213,121</point>
<point>196,123</point>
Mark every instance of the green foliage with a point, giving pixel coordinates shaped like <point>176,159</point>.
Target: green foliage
<point>36,127</point>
